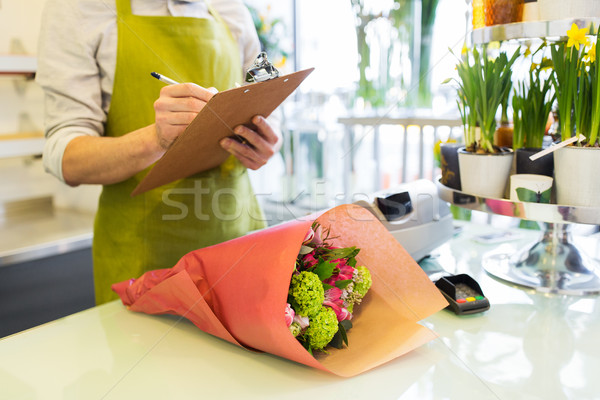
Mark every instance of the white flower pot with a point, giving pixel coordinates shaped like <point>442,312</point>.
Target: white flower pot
<point>576,176</point>
<point>531,11</point>
<point>550,10</point>
<point>484,175</point>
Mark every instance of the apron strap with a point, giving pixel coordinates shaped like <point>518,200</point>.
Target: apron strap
<point>123,7</point>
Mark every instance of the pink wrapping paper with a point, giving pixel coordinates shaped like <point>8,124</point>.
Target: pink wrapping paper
<point>237,291</point>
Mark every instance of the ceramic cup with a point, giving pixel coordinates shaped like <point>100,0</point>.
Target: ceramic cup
<point>530,187</point>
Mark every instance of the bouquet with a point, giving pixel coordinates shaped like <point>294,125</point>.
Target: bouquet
<point>239,290</point>
<point>325,287</point>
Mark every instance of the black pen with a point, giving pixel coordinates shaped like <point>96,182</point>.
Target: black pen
<point>164,79</point>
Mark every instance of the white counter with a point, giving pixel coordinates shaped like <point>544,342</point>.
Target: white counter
<point>527,346</point>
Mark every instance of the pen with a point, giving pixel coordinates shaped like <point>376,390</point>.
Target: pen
<point>164,79</point>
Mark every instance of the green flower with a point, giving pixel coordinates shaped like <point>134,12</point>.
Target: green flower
<point>307,295</point>
<point>295,329</point>
<point>362,281</point>
<point>321,329</point>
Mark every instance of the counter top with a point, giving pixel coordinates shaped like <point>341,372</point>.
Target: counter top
<point>43,233</point>
<point>527,346</point>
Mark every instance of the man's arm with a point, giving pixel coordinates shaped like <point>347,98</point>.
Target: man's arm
<point>107,160</point>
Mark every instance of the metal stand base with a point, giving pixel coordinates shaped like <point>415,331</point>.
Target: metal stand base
<point>554,264</point>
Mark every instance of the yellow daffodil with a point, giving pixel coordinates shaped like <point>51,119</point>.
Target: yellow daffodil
<point>592,53</point>
<point>577,36</point>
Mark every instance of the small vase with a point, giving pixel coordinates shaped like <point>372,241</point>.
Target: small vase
<point>449,165</point>
<point>541,166</point>
<point>503,11</point>
<point>575,176</point>
<point>485,175</point>
<point>503,137</point>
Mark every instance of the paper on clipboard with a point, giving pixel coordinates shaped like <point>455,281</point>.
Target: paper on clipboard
<point>215,121</point>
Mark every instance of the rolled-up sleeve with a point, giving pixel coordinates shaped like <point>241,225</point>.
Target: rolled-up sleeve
<point>70,76</point>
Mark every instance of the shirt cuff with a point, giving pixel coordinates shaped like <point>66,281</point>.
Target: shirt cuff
<point>54,149</point>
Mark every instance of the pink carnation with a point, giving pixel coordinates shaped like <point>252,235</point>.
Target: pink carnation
<point>309,260</point>
<point>302,321</point>
<point>334,295</point>
<point>317,237</point>
<point>309,236</point>
<point>340,312</point>
<point>289,315</point>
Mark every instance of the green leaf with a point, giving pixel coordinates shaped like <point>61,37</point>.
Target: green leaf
<point>326,286</point>
<point>343,283</point>
<point>351,262</point>
<point>324,269</point>
<point>343,328</point>
<point>337,340</point>
<point>346,252</point>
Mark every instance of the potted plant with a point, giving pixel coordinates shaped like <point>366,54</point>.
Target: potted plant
<point>578,77</point>
<point>482,85</point>
<point>531,103</point>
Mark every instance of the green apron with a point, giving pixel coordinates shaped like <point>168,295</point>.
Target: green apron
<point>155,229</point>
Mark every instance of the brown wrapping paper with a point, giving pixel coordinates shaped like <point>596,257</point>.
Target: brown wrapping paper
<point>237,291</point>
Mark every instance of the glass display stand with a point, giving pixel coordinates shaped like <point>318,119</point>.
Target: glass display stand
<point>554,263</point>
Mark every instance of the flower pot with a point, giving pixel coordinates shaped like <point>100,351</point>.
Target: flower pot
<point>550,10</point>
<point>541,166</point>
<point>503,11</point>
<point>575,170</point>
<point>485,175</point>
<point>449,165</point>
<point>531,11</point>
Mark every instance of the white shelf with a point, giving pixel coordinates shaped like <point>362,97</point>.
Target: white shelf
<point>530,30</point>
<point>20,145</point>
<point>15,64</point>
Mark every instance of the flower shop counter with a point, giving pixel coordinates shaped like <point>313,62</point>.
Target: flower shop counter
<point>528,345</point>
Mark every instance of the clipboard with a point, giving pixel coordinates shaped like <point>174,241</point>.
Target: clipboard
<point>224,111</point>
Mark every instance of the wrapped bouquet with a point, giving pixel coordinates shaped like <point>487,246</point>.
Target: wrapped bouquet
<point>252,291</point>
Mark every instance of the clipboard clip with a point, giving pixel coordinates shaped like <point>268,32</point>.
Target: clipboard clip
<point>262,70</point>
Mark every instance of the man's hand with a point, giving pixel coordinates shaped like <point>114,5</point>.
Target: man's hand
<point>176,107</point>
<point>259,146</point>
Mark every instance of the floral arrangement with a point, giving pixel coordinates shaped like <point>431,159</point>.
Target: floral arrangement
<point>577,84</point>
<point>326,285</point>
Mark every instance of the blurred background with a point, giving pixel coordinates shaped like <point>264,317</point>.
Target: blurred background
<point>363,121</point>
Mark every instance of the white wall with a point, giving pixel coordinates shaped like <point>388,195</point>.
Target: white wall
<point>21,109</point>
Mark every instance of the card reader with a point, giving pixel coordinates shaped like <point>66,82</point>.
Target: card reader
<point>463,293</point>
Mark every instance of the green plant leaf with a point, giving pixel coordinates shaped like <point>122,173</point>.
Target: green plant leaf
<point>343,283</point>
<point>324,269</point>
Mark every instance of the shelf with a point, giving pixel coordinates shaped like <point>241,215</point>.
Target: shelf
<point>16,64</point>
<point>21,144</point>
<point>529,30</point>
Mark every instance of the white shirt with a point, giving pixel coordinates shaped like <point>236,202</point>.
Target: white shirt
<point>77,60</point>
